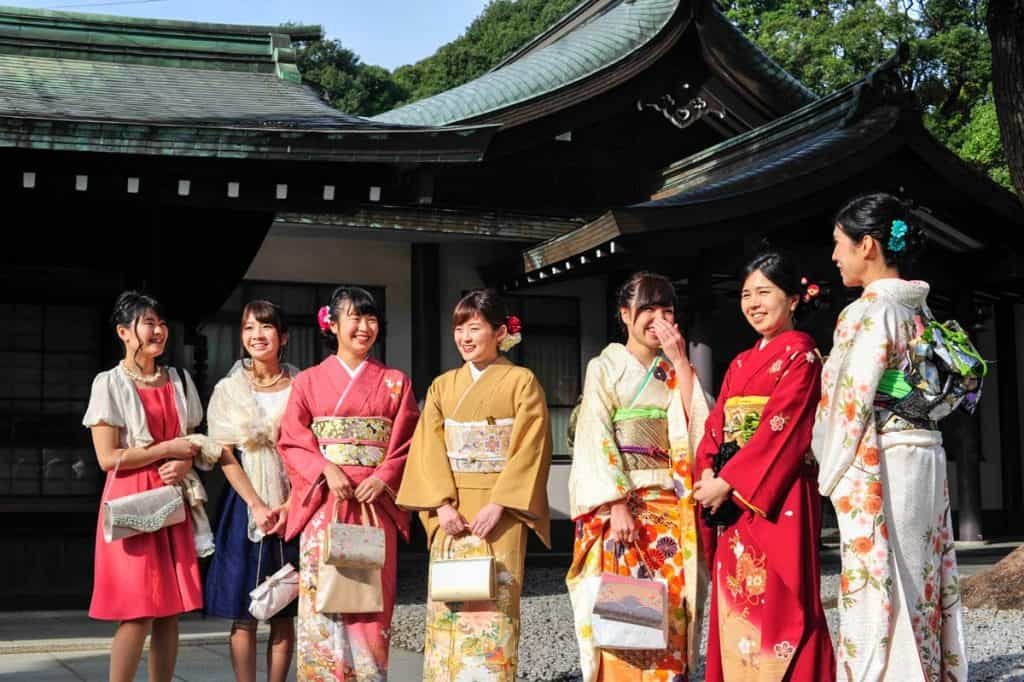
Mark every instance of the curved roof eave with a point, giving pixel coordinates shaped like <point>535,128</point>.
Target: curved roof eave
<point>601,42</point>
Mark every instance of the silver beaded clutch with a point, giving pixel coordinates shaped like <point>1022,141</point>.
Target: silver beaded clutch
<point>145,512</point>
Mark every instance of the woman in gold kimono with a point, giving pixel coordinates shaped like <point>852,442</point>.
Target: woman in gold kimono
<point>477,471</point>
<point>631,486</point>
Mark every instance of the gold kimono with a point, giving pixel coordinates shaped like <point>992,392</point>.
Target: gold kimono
<point>478,442</point>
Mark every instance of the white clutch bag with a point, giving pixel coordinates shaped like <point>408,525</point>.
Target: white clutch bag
<point>630,613</point>
<point>461,579</point>
<point>145,512</point>
<point>274,593</point>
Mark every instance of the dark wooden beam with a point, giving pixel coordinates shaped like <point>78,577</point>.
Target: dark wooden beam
<point>426,347</point>
<point>968,457</point>
<point>1009,406</point>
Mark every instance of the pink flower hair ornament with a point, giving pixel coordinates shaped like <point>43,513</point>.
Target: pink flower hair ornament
<point>323,318</point>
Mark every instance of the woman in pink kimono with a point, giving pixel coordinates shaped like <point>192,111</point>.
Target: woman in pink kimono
<point>344,437</point>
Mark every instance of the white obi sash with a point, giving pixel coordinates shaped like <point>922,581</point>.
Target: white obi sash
<point>478,447</point>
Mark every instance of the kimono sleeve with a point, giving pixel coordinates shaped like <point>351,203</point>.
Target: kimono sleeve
<point>103,406</point>
<point>427,482</point>
<point>765,469</point>
<point>522,485</point>
<point>296,442</point>
<point>597,476</point>
<point>713,435</point>
<point>403,426</point>
<point>845,423</point>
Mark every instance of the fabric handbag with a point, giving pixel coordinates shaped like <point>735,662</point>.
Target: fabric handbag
<point>144,512</point>
<point>630,613</point>
<point>276,592</point>
<point>348,590</point>
<point>462,579</point>
<point>350,545</point>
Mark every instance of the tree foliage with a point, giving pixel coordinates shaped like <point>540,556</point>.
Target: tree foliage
<point>830,43</point>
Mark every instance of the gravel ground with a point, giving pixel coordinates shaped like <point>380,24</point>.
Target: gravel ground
<point>547,649</point>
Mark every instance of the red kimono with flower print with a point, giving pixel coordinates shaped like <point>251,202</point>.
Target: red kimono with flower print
<point>766,621</point>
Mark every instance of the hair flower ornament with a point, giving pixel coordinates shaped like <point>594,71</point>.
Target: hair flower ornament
<point>514,336</point>
<point>898,236</point>
<point>323,318</point>
<point>811,290</point>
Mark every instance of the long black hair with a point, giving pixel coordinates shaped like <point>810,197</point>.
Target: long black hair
<point>644,290</point>
<point>876,215</point>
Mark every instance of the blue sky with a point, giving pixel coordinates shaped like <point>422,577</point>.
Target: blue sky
<point>385,32</point>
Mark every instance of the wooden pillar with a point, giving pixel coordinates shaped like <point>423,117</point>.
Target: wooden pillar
<point>1009,407</point>
<point>699,322</point>
<point>968,460</point>
<point>426,317</point>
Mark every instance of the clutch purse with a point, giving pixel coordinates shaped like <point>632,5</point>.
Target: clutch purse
<point>630,613</point>
<point>276,592</point>
<point>462,579</point>
<point>350,545</point>
<point>728,512</point>
<point>145,512</point>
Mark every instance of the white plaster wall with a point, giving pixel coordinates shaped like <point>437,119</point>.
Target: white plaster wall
<point>355,261</point>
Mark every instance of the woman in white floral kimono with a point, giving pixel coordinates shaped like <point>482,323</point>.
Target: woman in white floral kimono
<point>899,596</point>
<point>631,487</point>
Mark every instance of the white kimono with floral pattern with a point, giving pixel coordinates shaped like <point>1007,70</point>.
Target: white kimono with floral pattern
<point>899,599</point>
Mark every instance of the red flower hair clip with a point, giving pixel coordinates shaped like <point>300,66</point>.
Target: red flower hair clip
<point>811,290</point>
<point>323,318</point>
<point>513,324</point>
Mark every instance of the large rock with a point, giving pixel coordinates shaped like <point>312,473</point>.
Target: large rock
<point>1000,587</point>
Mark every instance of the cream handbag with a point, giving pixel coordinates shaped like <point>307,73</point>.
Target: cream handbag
<point>350,545</point>
<point>276,592</point>
<point>462,579</point>
<point>145,512</point>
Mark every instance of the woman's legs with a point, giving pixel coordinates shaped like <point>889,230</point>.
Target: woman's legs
<point>280,649</point>
<point>163,649</point>
<point>126,649</point>
<point>243,650</point>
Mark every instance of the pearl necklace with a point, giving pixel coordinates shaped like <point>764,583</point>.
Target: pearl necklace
<point>142,378</point>
<point>257,384</point>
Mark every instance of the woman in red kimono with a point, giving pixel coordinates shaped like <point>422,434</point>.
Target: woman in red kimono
<point>762,513</point>
<point>345,436</point>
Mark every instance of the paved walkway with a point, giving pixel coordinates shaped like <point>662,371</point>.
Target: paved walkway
<point>66,646</point>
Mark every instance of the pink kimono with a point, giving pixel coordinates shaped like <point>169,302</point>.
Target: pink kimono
<point>364,425</point>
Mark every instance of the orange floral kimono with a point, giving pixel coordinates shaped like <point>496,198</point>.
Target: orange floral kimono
<point>634,442</point>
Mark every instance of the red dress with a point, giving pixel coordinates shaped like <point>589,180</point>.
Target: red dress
<point>151,575</point>
<point>766,622</point>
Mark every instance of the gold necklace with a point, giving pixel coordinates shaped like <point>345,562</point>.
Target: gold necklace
<point>142,378</point>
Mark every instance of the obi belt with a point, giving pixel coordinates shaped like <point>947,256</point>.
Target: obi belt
<point>742,417</point>
<point>478,447</point>
<point>353,441</point>
<point>641,435</point>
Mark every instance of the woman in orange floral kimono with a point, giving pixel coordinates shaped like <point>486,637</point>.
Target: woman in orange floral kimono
<point>344,437</point>
<point>630,489</point>
<point>762,514</point>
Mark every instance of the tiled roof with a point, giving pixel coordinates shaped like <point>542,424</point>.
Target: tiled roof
<point>605,39</point>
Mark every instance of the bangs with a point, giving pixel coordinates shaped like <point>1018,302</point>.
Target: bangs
<point>484,303</point>
<point>265,312</point>
<point>654,291</point>
<point>358,301</point>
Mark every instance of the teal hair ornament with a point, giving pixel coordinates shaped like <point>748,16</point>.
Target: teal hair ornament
<point>898,236</point>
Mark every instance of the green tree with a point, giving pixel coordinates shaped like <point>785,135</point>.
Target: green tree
<point>830,43</point>
<point>503,27</point>
<point>347,83</point>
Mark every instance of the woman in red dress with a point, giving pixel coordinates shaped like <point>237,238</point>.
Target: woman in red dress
<point>138,412</point>
<point>758,487</point>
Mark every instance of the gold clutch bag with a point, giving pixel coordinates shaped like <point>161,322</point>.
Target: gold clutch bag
<point>469,578</point>
<point>354,545</point>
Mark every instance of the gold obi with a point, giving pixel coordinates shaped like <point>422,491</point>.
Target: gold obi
<point>641,435</point>
<point>353,441</point>
<point>742,417</point>
<point>478,447</point>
